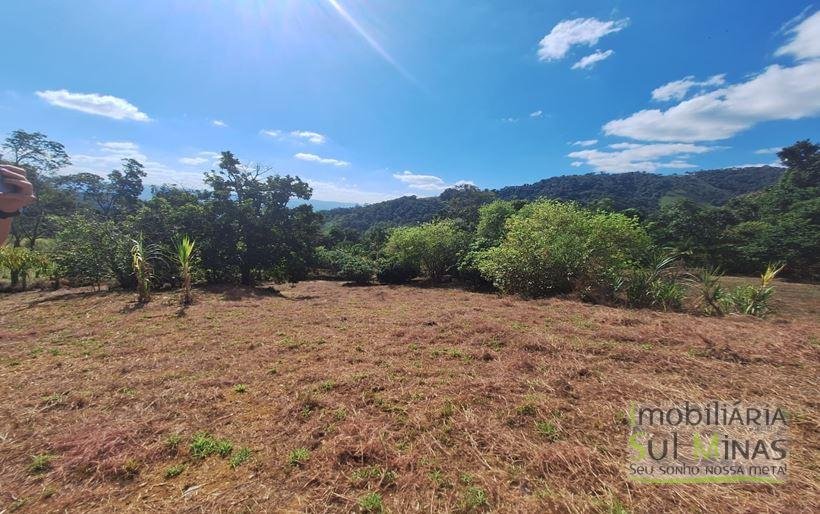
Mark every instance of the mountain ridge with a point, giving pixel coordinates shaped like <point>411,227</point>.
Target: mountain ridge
<point>642,191</point>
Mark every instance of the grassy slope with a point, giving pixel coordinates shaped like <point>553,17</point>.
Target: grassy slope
<point>441,387</point>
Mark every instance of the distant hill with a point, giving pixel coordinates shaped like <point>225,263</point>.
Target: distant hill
<point>322,205</point>
<point>642,191</point>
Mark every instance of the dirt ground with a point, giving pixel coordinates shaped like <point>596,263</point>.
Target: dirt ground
<point>437,399</point>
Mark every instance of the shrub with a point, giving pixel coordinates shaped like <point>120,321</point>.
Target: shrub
<point>553,247</point>
<point>492,219</point>
<point>434,247</point>
<point>346,264</point>
<point>358,270</point>
<point>394,270</point>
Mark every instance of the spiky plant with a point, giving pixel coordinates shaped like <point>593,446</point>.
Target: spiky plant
<point>184,249</point>
<point>752,300</point>
<point>142,258</point>
<point>655,286</point>
<point>710,295</point>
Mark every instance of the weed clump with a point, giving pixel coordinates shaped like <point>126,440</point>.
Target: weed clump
<point>371,502</point>
<point>240,457</point>
<point>40,463</point>
<point>298,457</point>
<point>204,445</point>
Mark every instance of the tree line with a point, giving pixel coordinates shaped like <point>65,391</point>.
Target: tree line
<point>88,229</point>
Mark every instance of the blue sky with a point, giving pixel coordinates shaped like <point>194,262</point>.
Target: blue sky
<point>369,100</point>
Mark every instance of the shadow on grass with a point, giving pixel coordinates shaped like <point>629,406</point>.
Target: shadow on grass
<point>234,293</point>
<point>70,295</point>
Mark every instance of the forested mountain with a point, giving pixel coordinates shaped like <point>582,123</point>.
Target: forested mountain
<point>642,191</point>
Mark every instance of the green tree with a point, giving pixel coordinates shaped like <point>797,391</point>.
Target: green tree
<point>40,157</point>
<point>254,230</point>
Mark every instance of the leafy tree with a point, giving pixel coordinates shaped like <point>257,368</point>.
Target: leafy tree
<point>40,157</point>
<point>463,203</point>
<point>34,150</point>
<point>803,161</point>
<point>254,231</point>
<point>113,198</point>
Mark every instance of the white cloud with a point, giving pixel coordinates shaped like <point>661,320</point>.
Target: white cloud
<point>271,133</point>
<point>537,114</point>
<point>304,135</point>
<point>201,158</point>
<point>334,192</point>
<point>93,103</point>
<point>776,93</point>
<point>768,151</point>
<point>108,156</point>
<point>193,161</point>
<point>625,157</point>
<point>774,164</point>
<point>580,31</point>
<point>677,89</point>
<point>219,123</point>
<point>313,137</point>
<point>585,142</point>
<point>805,43</point>
<point>426,182</point>
<point>309,157</point>
<point>509,120</point>
<point>591,60</point>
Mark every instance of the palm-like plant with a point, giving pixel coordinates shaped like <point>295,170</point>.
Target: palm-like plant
<point>710,295</point>
<point>184,248</point>
<point>142,257</point>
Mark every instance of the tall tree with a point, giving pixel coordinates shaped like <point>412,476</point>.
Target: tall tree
<point>36,151</point>
<point>40,157</point>
<point>254,230</point>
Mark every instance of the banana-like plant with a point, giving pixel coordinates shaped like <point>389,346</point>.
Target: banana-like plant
<point>184,256</point>
<point>142,257</point>
<point>20,261</point>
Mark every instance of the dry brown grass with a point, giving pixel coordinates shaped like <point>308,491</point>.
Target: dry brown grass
<point>417,393</point>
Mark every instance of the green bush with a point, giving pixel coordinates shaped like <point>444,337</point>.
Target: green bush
<point>434,247</point>
<point>393,270</point>
<point>358,270</point>
<point>553,247</point>
<point>346,264</point>
<point>468,270</point>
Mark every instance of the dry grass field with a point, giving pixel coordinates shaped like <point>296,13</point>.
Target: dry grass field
<point>436,399</point>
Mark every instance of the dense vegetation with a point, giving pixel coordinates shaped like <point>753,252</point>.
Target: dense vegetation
<point>643,192</point>
<point>86,229</point>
